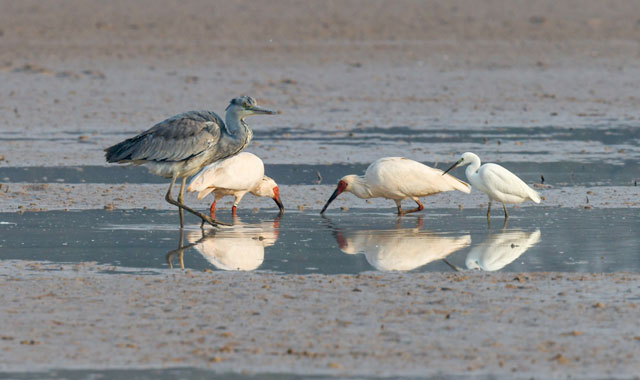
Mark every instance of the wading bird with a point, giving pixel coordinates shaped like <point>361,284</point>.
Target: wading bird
<point>398,178</point>
<point>182,145</point>
<point>497,182</point>
<point>237,176</point>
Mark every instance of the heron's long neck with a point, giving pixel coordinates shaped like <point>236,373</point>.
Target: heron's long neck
<point>360,188</point>
<point>238,130</point>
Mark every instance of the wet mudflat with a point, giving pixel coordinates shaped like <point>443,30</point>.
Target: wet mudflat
<point>535,239</point>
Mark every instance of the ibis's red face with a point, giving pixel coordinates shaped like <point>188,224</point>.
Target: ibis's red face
<point>276,198</point>
<point>342,185</point>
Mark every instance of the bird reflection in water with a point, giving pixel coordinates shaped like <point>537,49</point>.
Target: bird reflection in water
<point>400,249</point>
<point>239,247</point>
<point>501,249</point>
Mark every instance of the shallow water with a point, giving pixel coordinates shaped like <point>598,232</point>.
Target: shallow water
<point>535,239</point>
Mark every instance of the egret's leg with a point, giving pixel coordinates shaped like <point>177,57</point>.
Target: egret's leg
<point>489,210</point>
<point>506,214</point>
<point>419,208</point>
<point>202,216</point>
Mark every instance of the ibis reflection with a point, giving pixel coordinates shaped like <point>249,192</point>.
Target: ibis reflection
<point>400,249</point>
<point>239,247</point>
<point>501,249</point>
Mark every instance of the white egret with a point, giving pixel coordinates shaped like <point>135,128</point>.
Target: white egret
<point>237,176</point>
<point>398,178</point>
<point>497,182</point>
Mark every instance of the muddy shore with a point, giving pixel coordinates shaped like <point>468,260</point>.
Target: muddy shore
<point>523,82</point>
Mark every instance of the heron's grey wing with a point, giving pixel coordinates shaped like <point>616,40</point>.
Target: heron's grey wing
<point>175,139</point>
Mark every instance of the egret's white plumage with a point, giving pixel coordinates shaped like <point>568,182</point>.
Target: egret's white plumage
<point>398,178</point>
<point>497,182</point>
<point>237,176</point>
<point>501,249</point>
<point>401,249</point>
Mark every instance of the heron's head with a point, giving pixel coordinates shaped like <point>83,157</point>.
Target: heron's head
<point>345,184</point>
<point>465,159</point>
<point>245,106</point>
<point>269,188</point>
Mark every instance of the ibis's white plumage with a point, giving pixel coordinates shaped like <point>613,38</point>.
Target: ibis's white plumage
<point>401,249</point>
<point>399,178</point>
<point>240,247</point>
<point>237,176</point>
<point>239,173</point>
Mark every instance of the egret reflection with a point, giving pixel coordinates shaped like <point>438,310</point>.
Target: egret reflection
<point>239,247</point>
<point>400,249</point>
<point>500,249</point>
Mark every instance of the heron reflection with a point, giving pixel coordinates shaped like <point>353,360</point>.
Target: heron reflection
<point>239,247</point>
<point>400,249</point>
<point>501,249</point>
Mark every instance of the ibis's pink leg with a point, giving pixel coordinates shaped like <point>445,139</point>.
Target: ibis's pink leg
<point>212,210</point>
<point>234,211</point>
<point>419,208</point>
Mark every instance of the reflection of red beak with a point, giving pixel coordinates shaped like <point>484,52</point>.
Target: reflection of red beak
<point>341,186</point>
<point>276,198</point>
<point>342,242</point>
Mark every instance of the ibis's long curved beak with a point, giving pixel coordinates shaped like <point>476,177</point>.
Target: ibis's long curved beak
<point>452,166</point>
<point>263,111</point>
<point>279,203</point>
<point>331,198</point>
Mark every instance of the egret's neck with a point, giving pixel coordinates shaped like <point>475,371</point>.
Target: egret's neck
<point>360,188</point>
<point>473,167</point>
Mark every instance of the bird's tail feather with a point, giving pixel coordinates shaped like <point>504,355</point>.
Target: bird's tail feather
<point>534,195</point>
<point>458,184</point>
<point>205,192</point>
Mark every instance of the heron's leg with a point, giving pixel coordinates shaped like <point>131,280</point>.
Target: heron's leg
<point>419,208</point>
<point>506,214</point>
<point>181,200</point>
<point>202,216</point>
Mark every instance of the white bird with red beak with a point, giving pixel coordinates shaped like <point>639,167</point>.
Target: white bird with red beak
<point>398,178</point>
<point>237,176</point>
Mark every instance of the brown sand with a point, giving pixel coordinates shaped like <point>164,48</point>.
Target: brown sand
<point>79,75</point>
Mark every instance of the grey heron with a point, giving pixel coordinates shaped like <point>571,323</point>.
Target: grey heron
<point>182,145</point>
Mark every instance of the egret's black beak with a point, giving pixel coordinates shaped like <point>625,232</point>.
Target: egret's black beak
<point>341,186</point>
<point>452,166</point>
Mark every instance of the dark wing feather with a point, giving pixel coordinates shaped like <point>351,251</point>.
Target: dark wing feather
<point>175,139</point>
